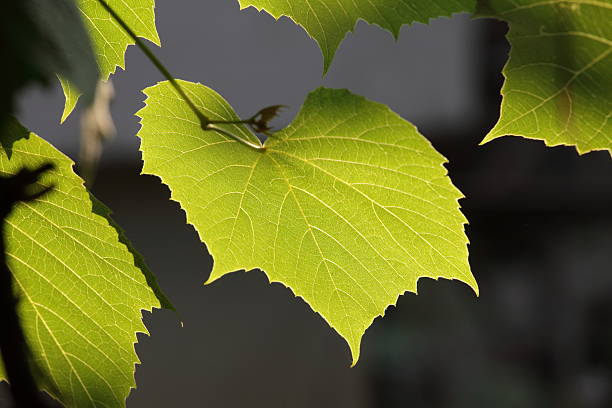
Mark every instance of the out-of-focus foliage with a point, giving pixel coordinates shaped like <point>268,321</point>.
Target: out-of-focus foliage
<point>40,39</point>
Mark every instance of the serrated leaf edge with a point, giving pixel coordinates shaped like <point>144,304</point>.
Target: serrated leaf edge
<point>355,353</point>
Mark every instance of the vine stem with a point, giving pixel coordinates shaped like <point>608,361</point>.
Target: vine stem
<point>205,122</point>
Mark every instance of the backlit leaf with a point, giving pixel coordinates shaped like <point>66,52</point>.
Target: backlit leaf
<point>348,207</point>
<point>81,293</point>
<point>108,38</point>
<point>558,84</point>
<point>328,22</point>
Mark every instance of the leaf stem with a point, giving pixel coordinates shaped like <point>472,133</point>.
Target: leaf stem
<point>232,122</point>
<point>214,128</point>
<point>205,122</point>
<point>160,67</point>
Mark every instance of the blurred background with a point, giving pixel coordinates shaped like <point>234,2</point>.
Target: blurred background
<point>540,335</point>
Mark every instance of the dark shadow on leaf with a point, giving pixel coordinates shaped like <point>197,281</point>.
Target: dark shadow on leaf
<point>10,132</point>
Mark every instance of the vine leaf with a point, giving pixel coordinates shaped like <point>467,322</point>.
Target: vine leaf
<point>108,38</point>
<point>81,286</point>
<point>348,207</point>
<point>558,84</point>
<point>329,22</point>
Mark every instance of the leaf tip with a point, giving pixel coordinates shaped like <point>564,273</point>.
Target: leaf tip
<point>474,286</point>
<point>488,138</point>
<point>214,275</point>
<point>327,60</point>
<point>470,280</point>
<point>355,351</point>
<point>65,115</point>
<point>209,280</point>
<point>71,96</point>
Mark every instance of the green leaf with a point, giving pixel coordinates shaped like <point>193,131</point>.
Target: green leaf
<point>109,40</point>
<point>348,207</point>
<point>328,22</point>
<point>558,84</point>
<point>81,295</point>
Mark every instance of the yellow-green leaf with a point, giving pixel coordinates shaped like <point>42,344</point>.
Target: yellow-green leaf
<point>108,38</point>
<point>328,22</point>
<point>81,292</point>
<point>348,207</point>
<point>558,85</point>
